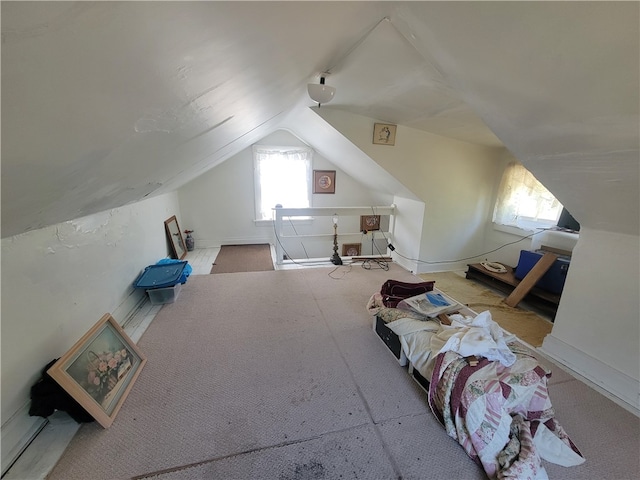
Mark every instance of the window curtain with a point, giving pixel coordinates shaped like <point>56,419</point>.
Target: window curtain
<point>283,176</point>
<point>523,201</point>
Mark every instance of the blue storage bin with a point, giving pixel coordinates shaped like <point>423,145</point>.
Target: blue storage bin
<point>161,275</point>
<point>160,296</point>
<point>553,280</point>
<point>186,272</point>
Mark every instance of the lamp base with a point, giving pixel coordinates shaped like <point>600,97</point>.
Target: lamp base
<point>335,259</point>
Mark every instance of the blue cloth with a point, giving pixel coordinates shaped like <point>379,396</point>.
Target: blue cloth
<point>437,299</point>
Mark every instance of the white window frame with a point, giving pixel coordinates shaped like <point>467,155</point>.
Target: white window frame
<point>294,154</point>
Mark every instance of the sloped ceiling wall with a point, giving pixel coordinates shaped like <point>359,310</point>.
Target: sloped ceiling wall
<point>559,85</point>
<point>106,103</point>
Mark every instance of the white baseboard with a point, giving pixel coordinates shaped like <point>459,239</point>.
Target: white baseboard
<point>20,430</point>
<point>130,306</point>
<point>619,387</point>
<point>217,243</point>
<point>17,434</point>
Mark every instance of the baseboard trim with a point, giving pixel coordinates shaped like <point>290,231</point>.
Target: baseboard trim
<point>615,385</point>
<point>17,433</point>
<point>21,429</point>
<point>217,243</point>
<point>127,309</point>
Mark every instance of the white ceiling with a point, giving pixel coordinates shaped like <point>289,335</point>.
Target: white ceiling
<point>106,103</point>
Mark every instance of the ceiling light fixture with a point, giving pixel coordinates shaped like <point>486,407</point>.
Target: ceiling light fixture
<point>319,92</point>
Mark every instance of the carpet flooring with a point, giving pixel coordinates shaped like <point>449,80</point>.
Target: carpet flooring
<point>243,258</point>
<point>279,375</point>
<point>526,325</point>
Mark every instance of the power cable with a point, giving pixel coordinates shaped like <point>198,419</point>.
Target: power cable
<point>287,253</point>
<point>297,234</point>
<point>393,249</point>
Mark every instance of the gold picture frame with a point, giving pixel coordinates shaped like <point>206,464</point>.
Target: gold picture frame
<point>369,223</point>
<point>324,181</point>
<point>174,234</point>
<point>100,369</point>
<point>351,249</point>
<point>384,134</point>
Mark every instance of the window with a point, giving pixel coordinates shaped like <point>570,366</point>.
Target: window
<point>524,202</point>
<point>282,176</point>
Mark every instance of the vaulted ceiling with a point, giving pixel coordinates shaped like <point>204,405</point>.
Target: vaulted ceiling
<point>106,103</point>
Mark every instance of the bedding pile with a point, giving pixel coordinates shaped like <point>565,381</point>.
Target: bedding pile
<point>497,409</point>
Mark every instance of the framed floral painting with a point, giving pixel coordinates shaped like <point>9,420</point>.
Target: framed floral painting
<point>324,181</point>
<point>369,223</point>
<point>100,369</point>
<point>351,249</point>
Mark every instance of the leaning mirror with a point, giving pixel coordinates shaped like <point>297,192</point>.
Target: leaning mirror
<point>175,238</point>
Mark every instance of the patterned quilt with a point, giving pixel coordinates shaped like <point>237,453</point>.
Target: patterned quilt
<point>494,411</point>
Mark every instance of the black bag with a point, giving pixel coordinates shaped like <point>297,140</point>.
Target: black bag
<point>393,291</point>
<point>47,396</point>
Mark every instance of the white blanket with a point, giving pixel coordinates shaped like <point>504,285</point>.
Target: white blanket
<point>479,336</point>
<point>415,338</point>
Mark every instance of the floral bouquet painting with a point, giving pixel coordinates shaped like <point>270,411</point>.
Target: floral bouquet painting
<point>100,369</point>
<point>105,369</point>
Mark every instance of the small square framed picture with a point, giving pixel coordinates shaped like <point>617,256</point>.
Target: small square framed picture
<point>369,223</point>
<point>384,134</point>
<point>351,249</point>
<point>324,181</point>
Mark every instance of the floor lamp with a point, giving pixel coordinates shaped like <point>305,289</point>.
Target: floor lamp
<point>335,258</point>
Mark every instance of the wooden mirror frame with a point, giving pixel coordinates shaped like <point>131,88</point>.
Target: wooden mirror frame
<point>174,234</point>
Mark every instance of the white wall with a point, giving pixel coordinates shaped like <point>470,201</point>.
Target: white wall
<point>219,206</point>
<point>408,232</point>
<point>597,327</point>
<point>455,180</point>
<point>59,281</point>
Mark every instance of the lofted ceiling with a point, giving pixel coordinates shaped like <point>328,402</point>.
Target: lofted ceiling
<point>106,103</point>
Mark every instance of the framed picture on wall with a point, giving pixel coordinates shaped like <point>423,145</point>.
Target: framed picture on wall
<point>324,181</point>
<point>369,223</point>
<point>384,134</point>
<point>100,369</point>
<point>351,249</point>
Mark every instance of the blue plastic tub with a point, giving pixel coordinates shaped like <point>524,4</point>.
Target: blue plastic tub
<point>162,275</point>
<point>186,272</point>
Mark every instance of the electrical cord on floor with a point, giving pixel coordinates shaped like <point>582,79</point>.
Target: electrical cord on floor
<point>381,264</point>
<point>344,272</point>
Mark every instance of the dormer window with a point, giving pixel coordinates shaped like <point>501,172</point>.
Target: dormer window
<point>524,202</point>
<point>282,176</point>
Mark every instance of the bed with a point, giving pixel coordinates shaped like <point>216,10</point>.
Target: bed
<point>487,390</point>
